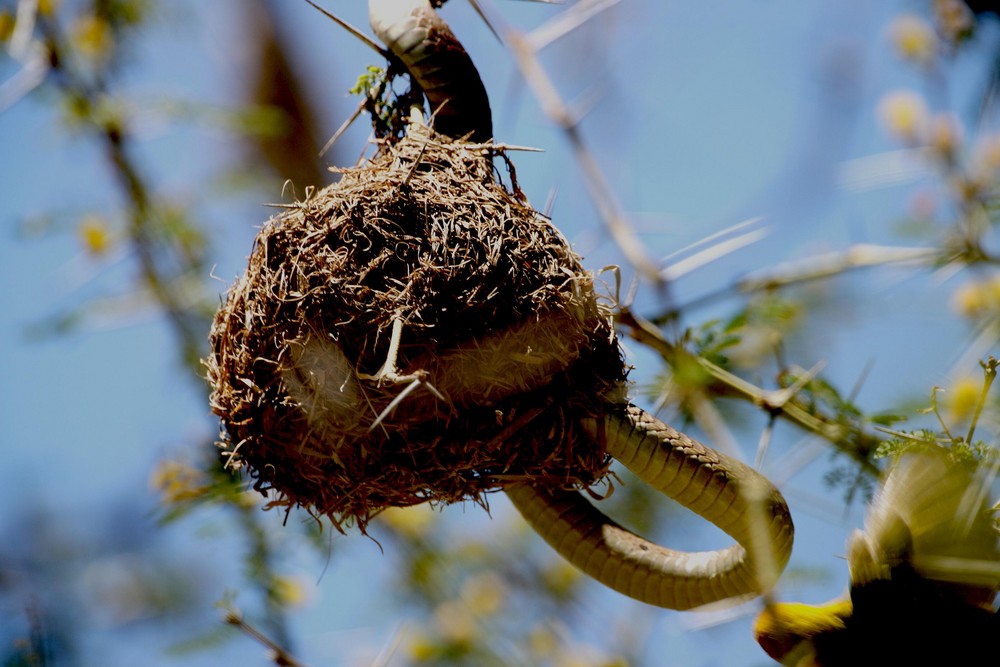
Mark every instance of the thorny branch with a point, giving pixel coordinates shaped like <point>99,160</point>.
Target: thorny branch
<point>961,247</point>
<point>851,439</point>
<point>848,438</point>
<point>523,48</point>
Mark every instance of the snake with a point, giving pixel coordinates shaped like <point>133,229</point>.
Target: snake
<point>720,488</point>
<point>434,57</point>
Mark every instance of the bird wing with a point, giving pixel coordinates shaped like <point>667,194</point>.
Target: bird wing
<point>933,514</point>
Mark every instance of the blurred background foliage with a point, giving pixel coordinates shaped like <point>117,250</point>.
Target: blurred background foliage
<point>188,569</point>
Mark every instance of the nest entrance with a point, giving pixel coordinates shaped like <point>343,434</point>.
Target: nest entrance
<point>414,332</point>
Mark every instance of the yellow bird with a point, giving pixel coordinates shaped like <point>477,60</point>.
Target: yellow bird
<point>924,572</point>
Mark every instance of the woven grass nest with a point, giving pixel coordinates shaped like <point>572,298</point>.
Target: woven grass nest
<point>414,332</point>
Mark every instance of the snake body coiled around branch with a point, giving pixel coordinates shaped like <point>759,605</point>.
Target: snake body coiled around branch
<point>721,489</point>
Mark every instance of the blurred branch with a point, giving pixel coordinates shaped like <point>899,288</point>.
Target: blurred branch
<point>168,249</point>
<point>279,656</point>
<point>828,265</point>
<point>715,251</point>
<point>273,81</point>
<point>811,269</point>
<point>566,22</point>
<point>90,100</point>
<point>32,56</point>
<point>34,67</point>
<point>523,49</point>
<point>33,650</point>
<point>260,557</point>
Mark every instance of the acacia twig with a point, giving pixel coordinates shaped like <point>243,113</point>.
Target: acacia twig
<point>780,403</point>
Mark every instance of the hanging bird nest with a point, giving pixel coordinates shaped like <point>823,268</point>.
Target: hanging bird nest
<point>414,332</point>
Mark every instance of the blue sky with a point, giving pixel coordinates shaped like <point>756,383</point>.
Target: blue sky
<point>706,117</point>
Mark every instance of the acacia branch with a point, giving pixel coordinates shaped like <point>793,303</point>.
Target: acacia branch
<point>850,439</point>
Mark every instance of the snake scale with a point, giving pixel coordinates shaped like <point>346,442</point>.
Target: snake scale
<point>723,490</point>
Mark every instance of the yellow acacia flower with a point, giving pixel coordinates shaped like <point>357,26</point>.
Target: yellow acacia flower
<point>954,19</point>
<point>421,648</point>
<point>560,578</point>
<point>289,591</point>
<point>95,235</point>
<point>484,593</point>
<point>92,37</point>
<point>6,25</point>
<point>454,622</point>
<point>177,482</point>
<point>542,641</point>
<point>48,7</point>
<point>962,397</point>
<point>914,38</point>
<point>904,115</point>
<point>412,522</point>
<point>978,299</point>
